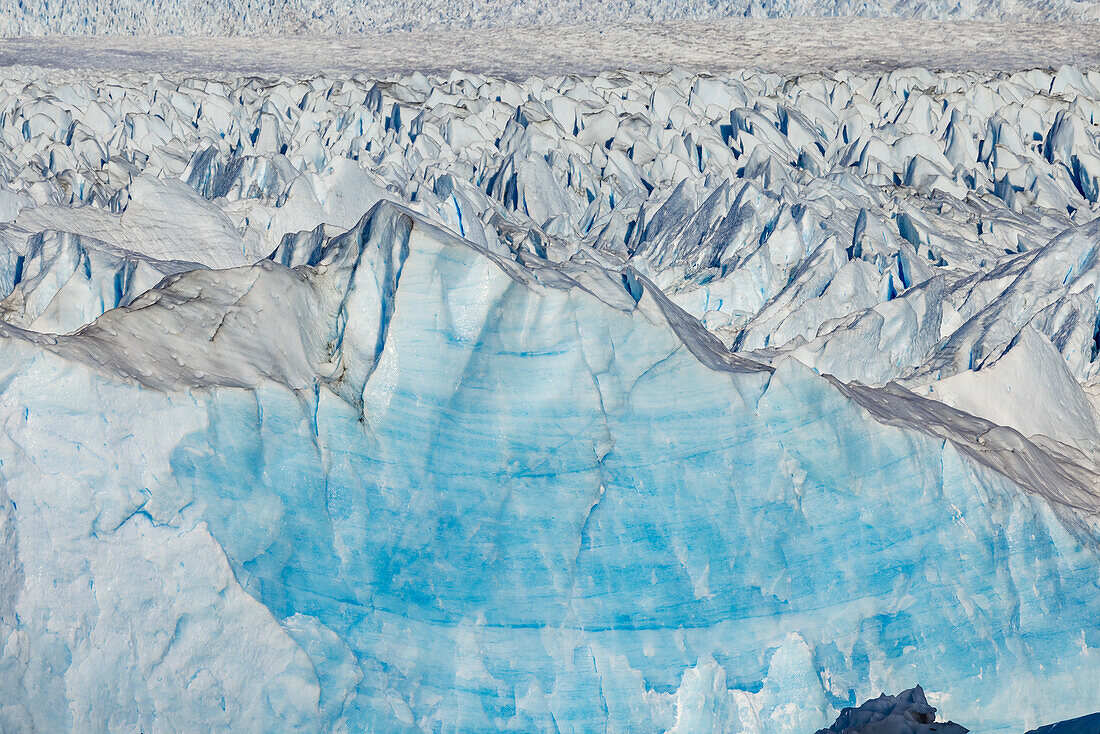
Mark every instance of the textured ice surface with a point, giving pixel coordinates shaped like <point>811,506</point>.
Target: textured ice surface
<point>235,17</point>
<point>630,402</point>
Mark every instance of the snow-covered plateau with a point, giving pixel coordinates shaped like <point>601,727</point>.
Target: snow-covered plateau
<point>789,46</point>
<point>625,403</point>
<point>251,17</point>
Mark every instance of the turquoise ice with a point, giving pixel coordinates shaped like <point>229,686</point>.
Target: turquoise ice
<point>501,496</point>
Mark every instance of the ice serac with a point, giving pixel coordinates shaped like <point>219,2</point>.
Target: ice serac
<point>393,480</point>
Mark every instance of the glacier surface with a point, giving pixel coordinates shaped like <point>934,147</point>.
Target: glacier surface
<point>790,46</point>
<point>627,402</point>
<point>253,17</point>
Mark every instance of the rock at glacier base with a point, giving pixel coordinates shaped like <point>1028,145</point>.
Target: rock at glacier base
<point>906,713</point>
<point>1082,725</point>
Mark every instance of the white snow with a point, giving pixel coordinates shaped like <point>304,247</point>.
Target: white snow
<point>244,17</point>
<point>788,46</point>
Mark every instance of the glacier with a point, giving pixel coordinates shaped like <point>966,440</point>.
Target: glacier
<point>323,18</point>
<point>790,46</point>
<point>627,402</point>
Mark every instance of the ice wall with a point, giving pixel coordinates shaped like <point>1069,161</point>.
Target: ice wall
<point>508,501</point>
<point>658,403</point>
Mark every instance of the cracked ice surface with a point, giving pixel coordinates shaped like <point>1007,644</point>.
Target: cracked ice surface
<point>789,46</point>
<point>327,17</point>
<point>629,402</point>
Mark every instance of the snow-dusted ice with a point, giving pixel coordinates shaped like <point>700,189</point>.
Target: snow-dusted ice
<point>788,46</point>
<point>294,17</point>
<point>627,403</point>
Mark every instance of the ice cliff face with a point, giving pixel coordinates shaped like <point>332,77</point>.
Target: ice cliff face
<point>624,403</point>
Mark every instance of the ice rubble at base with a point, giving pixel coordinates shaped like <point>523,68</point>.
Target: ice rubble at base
<point>468,459</point>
